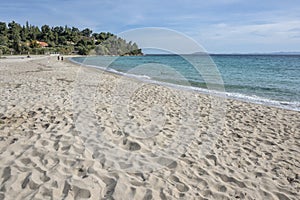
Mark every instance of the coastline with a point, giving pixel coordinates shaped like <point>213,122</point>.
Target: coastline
<point>253,154</point>
<point>295,106</point>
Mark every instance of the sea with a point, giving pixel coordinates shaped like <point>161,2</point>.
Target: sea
<point>272,80</point>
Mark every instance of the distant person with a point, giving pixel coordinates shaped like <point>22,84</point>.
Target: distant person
<point>62,58</point>
<point>58,58</point>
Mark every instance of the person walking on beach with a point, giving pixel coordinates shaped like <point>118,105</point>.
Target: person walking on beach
<point>62,58</point>
<point>58,58</point>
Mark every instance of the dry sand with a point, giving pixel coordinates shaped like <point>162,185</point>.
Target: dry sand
<point>68,132</point>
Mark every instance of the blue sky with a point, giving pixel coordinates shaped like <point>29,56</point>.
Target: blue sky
<point>220,26</point>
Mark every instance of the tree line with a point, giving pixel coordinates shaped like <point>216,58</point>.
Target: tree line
<point>30,39</point>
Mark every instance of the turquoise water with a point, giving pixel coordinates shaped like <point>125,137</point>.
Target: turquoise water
<point>268,79</point>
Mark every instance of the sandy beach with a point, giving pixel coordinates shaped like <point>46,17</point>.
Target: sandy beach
<point>72,132</point>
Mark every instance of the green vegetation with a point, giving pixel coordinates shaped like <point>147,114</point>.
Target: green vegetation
<point>29,39</point>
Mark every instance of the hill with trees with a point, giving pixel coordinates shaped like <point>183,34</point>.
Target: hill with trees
<point>30,39</point>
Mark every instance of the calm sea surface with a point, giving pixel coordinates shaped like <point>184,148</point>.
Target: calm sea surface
<point>267,79</point>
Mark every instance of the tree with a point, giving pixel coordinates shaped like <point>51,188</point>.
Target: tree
<point>34,32</point>
<point>75,35</point>
<point>101,50</point>
<point>3,28</point>
<point>3,34</point>
<point>3,40</point>
<point>14,30</point>
<point>62,40</point>
<point>4,49</point>
<point>83,50</point>
<point>46,34</point>
<point>86,32</point>
<point>15,38</point>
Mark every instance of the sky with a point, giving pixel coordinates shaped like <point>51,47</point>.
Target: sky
<point>219,26</point>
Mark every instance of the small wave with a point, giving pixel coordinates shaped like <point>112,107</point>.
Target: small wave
<point>138,76</point>
<point>294,105</point>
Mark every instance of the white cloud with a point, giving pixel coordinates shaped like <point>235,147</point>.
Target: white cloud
<point>271,30</point>
<point>280,36</point>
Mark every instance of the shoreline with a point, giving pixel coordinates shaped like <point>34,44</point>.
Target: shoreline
<point>72,132</point>
<point>294,106</point>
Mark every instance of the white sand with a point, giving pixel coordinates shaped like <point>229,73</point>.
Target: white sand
<point>68,132</point>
